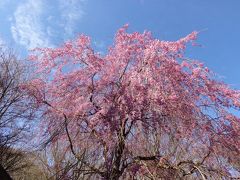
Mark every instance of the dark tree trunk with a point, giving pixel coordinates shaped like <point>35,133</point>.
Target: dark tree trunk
<point>117,170</point>
<point>3,174</point>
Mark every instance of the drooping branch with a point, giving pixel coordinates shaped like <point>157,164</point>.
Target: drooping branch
<point>147,158</point>
<point>68,135</point>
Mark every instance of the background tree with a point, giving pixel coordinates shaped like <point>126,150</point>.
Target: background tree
<point>57,162</point>
<point>142,110</point>
<point>15,113</point>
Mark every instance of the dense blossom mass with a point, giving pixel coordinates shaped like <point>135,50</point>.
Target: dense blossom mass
<point>141,110</point>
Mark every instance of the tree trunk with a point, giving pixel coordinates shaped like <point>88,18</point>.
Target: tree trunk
<point>3,174</point>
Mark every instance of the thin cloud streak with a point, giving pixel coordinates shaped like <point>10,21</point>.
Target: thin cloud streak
<point>27,28</point>
<point>35,25</point>
<point>2,42</point>
<point>71,12</point>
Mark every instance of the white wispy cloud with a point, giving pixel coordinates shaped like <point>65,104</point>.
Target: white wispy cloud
<point>2,42</point>
<point>37,23</point>
<point>27,28</point>
<point>71,12</point>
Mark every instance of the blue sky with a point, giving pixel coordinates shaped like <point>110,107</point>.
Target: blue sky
<point>25,24</point>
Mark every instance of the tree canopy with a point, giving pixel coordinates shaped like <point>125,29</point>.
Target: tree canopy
<point>141,110</point>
